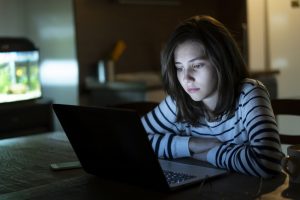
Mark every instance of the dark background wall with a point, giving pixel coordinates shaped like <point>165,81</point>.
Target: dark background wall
<point>144,28</point>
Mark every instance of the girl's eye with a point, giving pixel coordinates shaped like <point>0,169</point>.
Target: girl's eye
<point>197,66</point>
<point>179,69</point>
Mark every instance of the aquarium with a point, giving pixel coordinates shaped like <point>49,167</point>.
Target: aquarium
<point>19,76</point>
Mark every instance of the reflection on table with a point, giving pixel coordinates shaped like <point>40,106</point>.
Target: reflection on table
<point>25,174</point>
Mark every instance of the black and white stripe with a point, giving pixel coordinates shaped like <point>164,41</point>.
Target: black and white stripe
<point>251,143</point>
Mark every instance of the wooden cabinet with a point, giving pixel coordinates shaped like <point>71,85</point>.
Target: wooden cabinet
<point>26,118</point>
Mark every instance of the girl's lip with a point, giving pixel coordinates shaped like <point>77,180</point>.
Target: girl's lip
<point>192,90</point>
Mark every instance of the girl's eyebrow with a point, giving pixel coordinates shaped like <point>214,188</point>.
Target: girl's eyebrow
<point>197,58</point>
<point>192,60</point>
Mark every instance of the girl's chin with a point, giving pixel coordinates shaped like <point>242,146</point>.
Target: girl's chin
<point>195,98</point>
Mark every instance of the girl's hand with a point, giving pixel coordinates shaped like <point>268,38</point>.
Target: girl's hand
<point>200,156</point>
<point>200,145</point>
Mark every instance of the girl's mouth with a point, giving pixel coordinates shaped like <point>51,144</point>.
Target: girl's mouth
<point>193,90</point>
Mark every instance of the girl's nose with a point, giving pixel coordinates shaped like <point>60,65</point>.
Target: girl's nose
<point>188,76</point>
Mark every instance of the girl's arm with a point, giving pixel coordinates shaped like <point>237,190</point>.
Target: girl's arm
<point>167,139</point>
<point>261,154</point>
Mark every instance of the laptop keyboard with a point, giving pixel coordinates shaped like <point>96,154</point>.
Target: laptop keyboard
<point>176,177</point>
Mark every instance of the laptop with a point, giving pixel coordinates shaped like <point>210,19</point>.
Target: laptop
<point>112,144</point>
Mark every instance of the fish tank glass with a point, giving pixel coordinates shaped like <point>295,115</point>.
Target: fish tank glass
<point>19,75</point>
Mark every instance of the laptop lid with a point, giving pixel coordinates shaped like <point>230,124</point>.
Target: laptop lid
<point>112,144</point>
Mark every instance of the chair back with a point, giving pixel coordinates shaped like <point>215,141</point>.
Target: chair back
<point>287,107</point>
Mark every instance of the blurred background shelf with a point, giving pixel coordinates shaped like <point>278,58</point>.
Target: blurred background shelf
<point>142,86</point>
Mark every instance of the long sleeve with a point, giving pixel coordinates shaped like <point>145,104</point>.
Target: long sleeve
<point>259,153</point>
<point>249,138</point>
<point>164,134</point>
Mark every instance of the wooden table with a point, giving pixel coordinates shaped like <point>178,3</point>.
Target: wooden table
<point>25,174</point>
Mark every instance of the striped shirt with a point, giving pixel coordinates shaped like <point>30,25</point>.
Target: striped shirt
<point>250,139</point>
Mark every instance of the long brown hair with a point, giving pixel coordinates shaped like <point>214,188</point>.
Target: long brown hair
<point>221,50</point>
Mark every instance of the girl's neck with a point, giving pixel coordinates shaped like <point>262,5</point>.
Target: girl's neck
<point>210,103</point>
<point>210,116</point>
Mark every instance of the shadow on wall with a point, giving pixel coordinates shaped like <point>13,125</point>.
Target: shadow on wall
<point>62,95</point>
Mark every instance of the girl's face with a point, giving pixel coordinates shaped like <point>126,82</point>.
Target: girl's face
<point>195,73</point>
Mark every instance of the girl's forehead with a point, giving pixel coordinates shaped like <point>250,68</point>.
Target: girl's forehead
<point>191,46</point>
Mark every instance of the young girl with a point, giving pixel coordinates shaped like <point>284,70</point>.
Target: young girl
<point>213,112</point>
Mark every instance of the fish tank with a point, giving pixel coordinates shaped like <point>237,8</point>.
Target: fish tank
<point>19,71</point>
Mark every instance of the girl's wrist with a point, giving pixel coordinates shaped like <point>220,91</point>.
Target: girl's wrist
<point>191,145</point>
<point>200,156</point>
